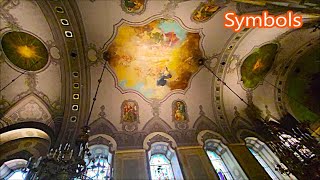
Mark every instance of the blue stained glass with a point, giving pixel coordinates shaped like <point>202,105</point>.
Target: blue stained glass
<point>160,167</point>
<point>17,175</point>
<point>100,169</point>
<point>219,166</point>
<point>263,164</point>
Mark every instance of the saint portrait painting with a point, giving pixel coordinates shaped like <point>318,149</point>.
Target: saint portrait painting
<point>179,111</point>
<point>129,111</point>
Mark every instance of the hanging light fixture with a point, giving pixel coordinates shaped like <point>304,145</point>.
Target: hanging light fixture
<point>68,161</point>
<point>298,151</point>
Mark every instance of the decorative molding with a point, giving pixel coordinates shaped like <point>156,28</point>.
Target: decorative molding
<point>12,22</point>
<point>169,8</point>
<point>102,114</point>
<point>217,86</point>
<point>155,105</point>
<point>201,112</point>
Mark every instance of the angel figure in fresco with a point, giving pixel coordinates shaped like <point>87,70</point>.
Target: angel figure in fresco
<point>130,112</point>
<point>180,113</point>
<point>164,75</point>
<point>205,11</point>
<point>133,5</point>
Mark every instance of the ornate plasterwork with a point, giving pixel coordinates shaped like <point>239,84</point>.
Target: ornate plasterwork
<point>30,109</point>
<point>12,22</point>
<point>170,7</point>
<point>95,54</point>
<point>217,86</point>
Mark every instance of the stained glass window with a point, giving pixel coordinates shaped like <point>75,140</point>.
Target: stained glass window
<point>17,175</point>
<point>219,166</point>
<point>263,164</point>
<point>160,167</point>
<point>99,169</point>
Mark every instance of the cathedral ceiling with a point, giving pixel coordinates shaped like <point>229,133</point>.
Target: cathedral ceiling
<point>153,80</point>
<point>30,59</point>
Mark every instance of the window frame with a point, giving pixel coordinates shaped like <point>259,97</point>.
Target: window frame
<point>267,155</point>
<point>169,164</point>
<point>227,171</point>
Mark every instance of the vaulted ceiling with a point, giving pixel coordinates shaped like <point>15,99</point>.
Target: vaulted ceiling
<point>152,81</point>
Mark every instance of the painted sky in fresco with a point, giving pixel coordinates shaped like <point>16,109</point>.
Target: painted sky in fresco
<point>154,59</point>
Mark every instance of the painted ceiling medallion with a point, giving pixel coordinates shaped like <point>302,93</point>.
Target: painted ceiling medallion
<point>154,59</point>
<point>256,66</point>
<point>133,6</point>
<point>24,50</point>
<point>205,11</point>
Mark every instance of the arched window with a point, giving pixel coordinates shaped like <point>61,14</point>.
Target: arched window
<point>219,166</point>
<point>100,168</point>
<point>267,159</point>
<point>160,167</point>
<point>265,166</point>
<point>18,174</point>
<point>163,162</point>
<point>222,160</point>
<point>13,169</point>
<point>100,163</point>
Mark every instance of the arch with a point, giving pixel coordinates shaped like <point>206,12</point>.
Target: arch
<point>24,147</point>
<point>162,158</point>
<point>103,139</point>
<point>156,124</point>
<point>265,156</point>
<point>241,123</point>
<point>23,142</point>
<point>10,166</point>
<point>102,126</point>
<point>204,123</point>
<point>242,134</point>
<point>222,157</point>
<point>158,137</point>
<point>23,133</point>
<point>36,125</point>
<point>208,134</point>
<point>30,108</point>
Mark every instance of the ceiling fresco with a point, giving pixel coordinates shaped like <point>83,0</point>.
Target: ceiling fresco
<point>133,6</point>
<point>154,59</point>
<point>257,65</point>
<point>204,11</point>
<point>24,50</point>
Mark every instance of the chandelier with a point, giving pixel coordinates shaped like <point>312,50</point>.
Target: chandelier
<point>297,150</point>
<point>63,162</point>
<point>70,160</point>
